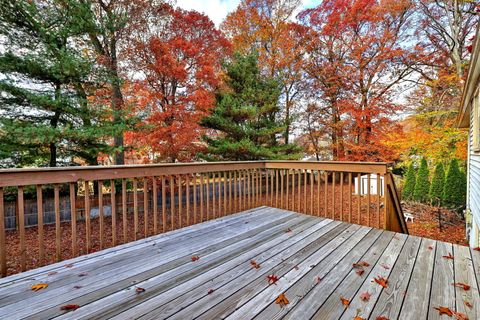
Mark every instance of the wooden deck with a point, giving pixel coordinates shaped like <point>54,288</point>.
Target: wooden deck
<point>312,257</point>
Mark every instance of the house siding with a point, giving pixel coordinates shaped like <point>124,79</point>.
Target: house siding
<point>473,186</point>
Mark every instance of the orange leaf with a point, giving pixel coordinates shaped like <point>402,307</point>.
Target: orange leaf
<point>465,286</point>
<point>476,248</point>
<point>381,318</point>
<point>272,279</point>
<point>69,307</point>
<point>282,300</point>
<point>210,291</point>
<point>381,281</point>
<point>345,302</point>
<point>430,247</point>
<point>358,318</point>
<point>444,310</point>
<point>255,264</point>
<point>449,256</point>
<point>365,296</point>
<point>195,258</point>
<point>468,304</point>
<point>360,272</point>
<point>68,265</point>
<point>52,273</point>
<point>317,280</point>
<point>361,264</point>
<point>139,290</point>
<point>383,265</point>
<point>460,316</point>
<point>39,286</point>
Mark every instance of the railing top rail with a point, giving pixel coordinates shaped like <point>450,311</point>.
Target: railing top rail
<point>34,176</point>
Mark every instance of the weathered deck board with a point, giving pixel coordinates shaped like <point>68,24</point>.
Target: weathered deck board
<point>311,256</point>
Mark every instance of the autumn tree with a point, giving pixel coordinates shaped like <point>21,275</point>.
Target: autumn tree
<point>358,58</point>
<point>243,121</point>
<point>266,27</point>
<point>178,67</point>
<point>44,88</point>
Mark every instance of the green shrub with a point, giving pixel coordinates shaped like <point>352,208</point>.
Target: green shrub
<point>409,186</point>
<point>455,188</point>
<point>422,184</point>
<point>436,189</point>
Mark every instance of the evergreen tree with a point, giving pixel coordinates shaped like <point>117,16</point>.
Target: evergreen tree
<point>422,184</point>
<point>455,189</point>
<point>245,116</point>
<point>436,189</point>
<point>409,185</point>
<point>47,78</point>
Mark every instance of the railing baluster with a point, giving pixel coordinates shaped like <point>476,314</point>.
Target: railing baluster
<point>124,210</point>
<point>100,211</point>
<point>359,197</point>
<point>225,198</point>
<point>41,246</point>
<point>272,176</point>
<point>350,197</point>
<point>21,227</point>
<point>282,193</point>
<point>135,208</point>
<point>232,207</point>
<point>276,188</point>
<point>287,190</point>
<point>386,179</point>
<point>58,230</point>
<point>201,198</point>
<point>172,202</point>
<point>164,205</point>
<point>257,172</point>
<point>87,216</point>
<point>334,177</point>
<point>214,197</point>
<point>145,207</point>
<point>305,210</point>
<point>113,205</point>
<point>368,199</point>
<point>219,194</point>
<point>187,196</point>
<point>378,200</point>
<point>155,205</point>
<point>293,191</point>
<point>311,192</point>
<point>3,248</point>
<point>341,196</point>
<point>319,182</point>
<point>326,193</point>
<point>180,200</point>
<point>208,195</point>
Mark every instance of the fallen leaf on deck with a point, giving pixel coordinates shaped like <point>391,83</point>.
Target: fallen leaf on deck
<point>139,290</point>
<point>83,274</point>
<point>476,249</point>
<point>195,258</point>
<point>68,265</point>
<point>52,273</point>
<point>296,268</point>
<point>345,302</point>
<point>358,318</point>
<point>39,286</point>
<point>465,286</point>
<point>210,291</point>
<point>365,296</point>
<point>381,281</point>
<point>255,264</point>
<point>77,287</point>
<point>444,310</point>
<point>468,304</point>
<point>384,266</point>
<point>272,279</point>
<point>69,307</point>
<point>449,256</point>
<point>460,316</point>
<point>430,247</point>
<point>381,318</point>
<point>288,230</point>
<point>282,300</point>
<point>317,280</point>
<point>361,264</point>
<point>360,272</point>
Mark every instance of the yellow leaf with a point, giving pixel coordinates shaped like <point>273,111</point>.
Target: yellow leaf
<point>39,286</point>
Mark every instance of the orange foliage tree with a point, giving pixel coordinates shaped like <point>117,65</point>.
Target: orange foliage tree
<point>178,65</point>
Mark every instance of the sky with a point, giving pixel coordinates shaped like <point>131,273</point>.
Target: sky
<point>217,10</point>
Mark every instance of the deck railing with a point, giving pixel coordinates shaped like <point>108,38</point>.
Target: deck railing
<point>98,207</point>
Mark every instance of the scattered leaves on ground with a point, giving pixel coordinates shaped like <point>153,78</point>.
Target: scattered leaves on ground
<point>39,286</point>
<point>345,301</point>
<point>139,290</point>
<point>70,307</point>
<point>444,310</point>
<point>282,300</point>
<point>465,286</point>
<point>195,258</point>
<point>365,296</point>
<point>272,279</point>
<point>254,264</point>
<point>381,281</point>
<point>449,256</point>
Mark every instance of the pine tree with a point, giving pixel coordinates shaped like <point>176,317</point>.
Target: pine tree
<point>436,189</point>
<point>454,191</point>
<point>47,78</point>
<point>422,184</point>
<point>245,116</point>
<point>409,185</point>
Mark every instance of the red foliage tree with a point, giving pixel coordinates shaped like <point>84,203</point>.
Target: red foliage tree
<point>358,58</point>
<point>178,67</point>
